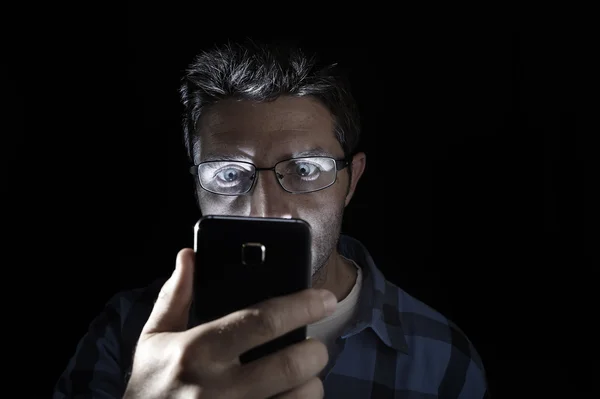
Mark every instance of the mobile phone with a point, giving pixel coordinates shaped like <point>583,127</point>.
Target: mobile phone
<point>242,260</point>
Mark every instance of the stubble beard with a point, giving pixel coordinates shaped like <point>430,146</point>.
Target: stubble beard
<point>325,241</point>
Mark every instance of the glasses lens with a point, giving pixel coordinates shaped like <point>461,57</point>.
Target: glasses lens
<point>303,175</point>
<point>226,177</point>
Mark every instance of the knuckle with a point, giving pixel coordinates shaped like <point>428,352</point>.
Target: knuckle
<point>180,360</point>
<point>165,290</point>
<point>181,353</point>
<point>194,361</point>
<point>315,309</point>
<point>290,366</point>
<point>188,351</point>
<point>267,323</point>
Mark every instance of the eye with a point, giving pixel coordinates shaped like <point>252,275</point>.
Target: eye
<point>305,169</point>
<point>228,174</point>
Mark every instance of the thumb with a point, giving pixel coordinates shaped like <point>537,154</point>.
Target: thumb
<point>170,312</point>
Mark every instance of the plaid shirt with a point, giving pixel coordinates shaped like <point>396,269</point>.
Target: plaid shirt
<point>398,347</point>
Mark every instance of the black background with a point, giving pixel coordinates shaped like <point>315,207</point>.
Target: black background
<point>473,200</point>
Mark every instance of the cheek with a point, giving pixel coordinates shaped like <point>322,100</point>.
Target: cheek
<point>212,204</point>
<point>322,209</point>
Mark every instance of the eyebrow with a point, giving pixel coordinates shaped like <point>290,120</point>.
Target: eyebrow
<point>221,156</point>
<point>225,156</point>
<point>315,152</point>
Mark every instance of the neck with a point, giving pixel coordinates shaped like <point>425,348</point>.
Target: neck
<point>338,276</point>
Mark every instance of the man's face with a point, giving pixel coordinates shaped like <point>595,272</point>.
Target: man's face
<point>264,134</point>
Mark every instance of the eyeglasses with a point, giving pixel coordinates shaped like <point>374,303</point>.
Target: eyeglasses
<point>296,175</point>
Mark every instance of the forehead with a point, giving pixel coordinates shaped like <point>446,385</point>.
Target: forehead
<point>266,130</point>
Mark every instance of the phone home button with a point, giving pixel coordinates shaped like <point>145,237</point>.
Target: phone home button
<point>253,254</point>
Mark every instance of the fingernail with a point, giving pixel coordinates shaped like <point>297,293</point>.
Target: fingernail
<point>330,302</point>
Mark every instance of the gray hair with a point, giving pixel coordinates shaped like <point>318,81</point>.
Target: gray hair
<point>263,72</point>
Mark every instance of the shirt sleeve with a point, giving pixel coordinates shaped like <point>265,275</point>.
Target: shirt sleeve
<point>95,370</point>
<point>465,376</point>
<point>475,385</point>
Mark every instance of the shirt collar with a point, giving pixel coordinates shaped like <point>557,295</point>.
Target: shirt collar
<point>378,304</point>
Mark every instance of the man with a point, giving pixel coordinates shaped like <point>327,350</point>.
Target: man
<point>251,105</point>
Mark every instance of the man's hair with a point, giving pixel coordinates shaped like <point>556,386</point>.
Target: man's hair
<point>263,72</point>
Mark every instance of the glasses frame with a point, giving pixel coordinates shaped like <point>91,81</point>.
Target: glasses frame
<point>339,165</point>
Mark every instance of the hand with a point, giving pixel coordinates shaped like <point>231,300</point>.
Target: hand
<point>203,362</point>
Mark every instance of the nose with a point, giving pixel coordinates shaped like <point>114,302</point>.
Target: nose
<point>268,199</point>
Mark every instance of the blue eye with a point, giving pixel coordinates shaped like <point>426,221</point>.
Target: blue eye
<point>229,175</point>
<point>305,169</point>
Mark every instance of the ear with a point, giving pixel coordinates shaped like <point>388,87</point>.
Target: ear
<point>358,164</point>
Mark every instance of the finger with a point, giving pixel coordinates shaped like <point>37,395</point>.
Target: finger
<point>311,389</point>
<point>170,312</point>
<point>281,371</point>
<point>238,332</point>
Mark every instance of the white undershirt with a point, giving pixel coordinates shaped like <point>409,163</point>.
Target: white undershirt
<point>327,330</point>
